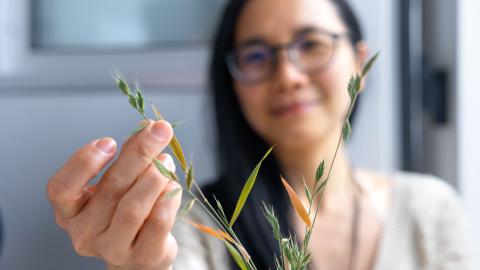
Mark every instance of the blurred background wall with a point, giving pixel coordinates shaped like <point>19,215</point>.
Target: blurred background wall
<point>56,94</point>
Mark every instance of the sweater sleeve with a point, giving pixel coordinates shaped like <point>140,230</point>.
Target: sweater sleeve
<point>451,241</point>
<point>441,235</point>
<point>197,251</point>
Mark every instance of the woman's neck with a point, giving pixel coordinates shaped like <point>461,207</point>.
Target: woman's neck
<point>299,164</point>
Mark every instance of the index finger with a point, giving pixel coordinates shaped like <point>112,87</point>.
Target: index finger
<point>66,188</point>
<point>136,155</point>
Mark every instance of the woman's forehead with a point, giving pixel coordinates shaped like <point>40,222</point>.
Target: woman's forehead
<point>277,21</point>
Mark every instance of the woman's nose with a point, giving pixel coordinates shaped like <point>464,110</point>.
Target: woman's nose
<point>287,76</point>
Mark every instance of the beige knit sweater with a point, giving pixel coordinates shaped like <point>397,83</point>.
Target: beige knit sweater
<point>424,229</point>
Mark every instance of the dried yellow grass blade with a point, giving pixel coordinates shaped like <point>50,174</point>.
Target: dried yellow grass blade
<point>174,143</point>
<point>221,235</point>
<point>296,203</point>
<point>178,152</point>
<point>226,236</point>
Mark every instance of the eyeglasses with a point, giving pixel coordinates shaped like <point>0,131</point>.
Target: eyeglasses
<point>310,52</point>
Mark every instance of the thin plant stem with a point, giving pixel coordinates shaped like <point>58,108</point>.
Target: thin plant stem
<point>352,103</point>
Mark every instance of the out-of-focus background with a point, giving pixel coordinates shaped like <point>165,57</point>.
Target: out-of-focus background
<point>420,111</point>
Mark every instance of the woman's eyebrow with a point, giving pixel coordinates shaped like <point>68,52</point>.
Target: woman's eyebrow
<point>298,32</point>
<point>251,41</point>
<point>305,30</point>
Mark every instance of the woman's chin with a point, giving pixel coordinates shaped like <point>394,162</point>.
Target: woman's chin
<point>297,138</point>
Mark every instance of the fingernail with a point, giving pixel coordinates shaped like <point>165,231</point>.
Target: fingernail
<point>106,145</point>
<point>169,163</point>
<point>160,130</point>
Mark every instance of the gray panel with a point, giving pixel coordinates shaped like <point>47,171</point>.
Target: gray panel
<point>125,24</point>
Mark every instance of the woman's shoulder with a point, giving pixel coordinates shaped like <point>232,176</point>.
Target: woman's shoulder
<point>424,197</point>
<point>423,191</point>
<point>409,186</point>
<point>425,218</point>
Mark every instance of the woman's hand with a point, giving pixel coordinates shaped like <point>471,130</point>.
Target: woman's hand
<point>124,219</point>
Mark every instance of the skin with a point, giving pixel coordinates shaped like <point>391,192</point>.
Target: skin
<point>304,137</point>
<point>123,219</point>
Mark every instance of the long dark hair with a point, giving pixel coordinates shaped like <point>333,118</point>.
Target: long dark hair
<point>240,147</point>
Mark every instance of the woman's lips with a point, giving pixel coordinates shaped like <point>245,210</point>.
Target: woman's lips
<point>294,108</point>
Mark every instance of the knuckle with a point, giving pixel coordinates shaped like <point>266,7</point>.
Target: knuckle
<point>152,178</point>
<point>160,257</point>
<point>145,260</point>
<point>85,161</point>
<point>113,255</point>
<point>161,219</point>
<point>131,211</point>
<point>61,222</point>
<point>171,248</point>
<point>141,150</point>
<point>164,255</point>
<point>82,246</point>
<point>112,189</point>
<point>57,191</point>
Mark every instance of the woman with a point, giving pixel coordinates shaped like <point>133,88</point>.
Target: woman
<point>279,76</point>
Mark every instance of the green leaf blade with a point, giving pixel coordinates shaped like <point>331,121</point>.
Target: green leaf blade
<point>307,192</point>
<point>369,64</point>
<point>235,255</point>
<point>247,188</point>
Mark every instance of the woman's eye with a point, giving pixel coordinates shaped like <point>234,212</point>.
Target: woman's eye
<point>254,58</point>
<point>312,46</point>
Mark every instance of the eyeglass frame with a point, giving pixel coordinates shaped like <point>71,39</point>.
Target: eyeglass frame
<point>275,50</point>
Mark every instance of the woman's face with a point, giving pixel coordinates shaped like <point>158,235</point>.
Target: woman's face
<point>291,108</point>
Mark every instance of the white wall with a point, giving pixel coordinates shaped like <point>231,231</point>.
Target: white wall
<point>376,138</point>
<point>468,104</point>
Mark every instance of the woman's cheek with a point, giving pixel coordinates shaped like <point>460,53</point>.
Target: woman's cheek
<point>252,108</point>
<point>333,93</point>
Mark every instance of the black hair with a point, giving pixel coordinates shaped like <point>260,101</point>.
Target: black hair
<point>240,147</point>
